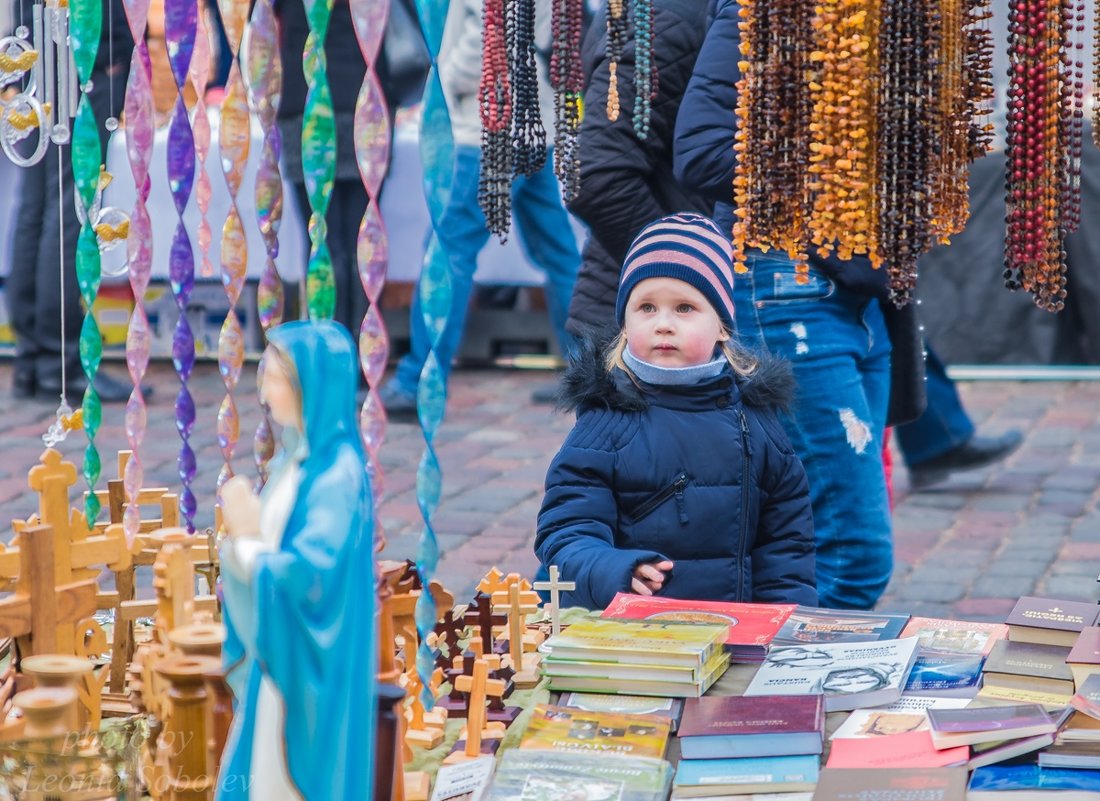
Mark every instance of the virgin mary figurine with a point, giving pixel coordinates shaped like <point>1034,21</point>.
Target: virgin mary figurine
<point>298,583</point>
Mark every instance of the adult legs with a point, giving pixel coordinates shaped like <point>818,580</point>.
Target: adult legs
<point>837,345</point>
<point>548,242</point>
<point>345,212</point>
<point>944,426</point>
<point>463,233</point>
<point>21,283</point>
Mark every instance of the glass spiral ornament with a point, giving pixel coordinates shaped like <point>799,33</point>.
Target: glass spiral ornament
<point>180,28</point>
<point>1043,145</point>
<point>437,158</point>
<point>372,153</point>
<point>234,138</point>
<point>199,74</point>
<point>139,112</point>
<point>264,68</point>
<point>318,161</point>
<point>86,18</point>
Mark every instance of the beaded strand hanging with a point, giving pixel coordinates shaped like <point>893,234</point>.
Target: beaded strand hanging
<point>494,191</point>
<point>645,79</point>
<point>264,68</point>
<point>567,81</point>
<point>1043,145</point>
<point>528,134</point>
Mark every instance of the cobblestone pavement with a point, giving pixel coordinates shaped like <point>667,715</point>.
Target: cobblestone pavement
<point>967,549</point>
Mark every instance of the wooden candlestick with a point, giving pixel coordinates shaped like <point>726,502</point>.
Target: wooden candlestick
<point>61,670</point>
<point>46,711</point>
<point>184,735</point>
<point>198,639</point>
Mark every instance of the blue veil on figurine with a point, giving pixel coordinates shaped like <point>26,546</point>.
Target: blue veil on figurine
<point>298,579</point>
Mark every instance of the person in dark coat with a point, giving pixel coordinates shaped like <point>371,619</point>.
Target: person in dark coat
<point>857,360</point>
<point>626,182</point>
<point>677,478</point>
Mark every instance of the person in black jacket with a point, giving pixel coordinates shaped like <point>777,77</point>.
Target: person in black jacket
<point>626,182</point>
<point>838,330</point>
<point>677,478</point>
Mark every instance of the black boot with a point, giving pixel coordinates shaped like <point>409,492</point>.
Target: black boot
<point>976,452</point>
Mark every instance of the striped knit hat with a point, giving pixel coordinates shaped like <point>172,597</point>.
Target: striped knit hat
<point>688,247</point>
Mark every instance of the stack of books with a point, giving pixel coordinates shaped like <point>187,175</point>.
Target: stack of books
<point>738,745</point>
<point>752,627</point>
<point>994,733</point>
<point>675,660</point>
<point>950,655</point>
<point>1027,672</point>
<point>1078,742</point>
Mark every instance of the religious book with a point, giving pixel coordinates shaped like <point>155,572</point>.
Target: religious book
<point>1084,656</point>
<point>809,624</point>
<point>463,781</point>
<point>911,749</point>
<point>945,674</point>
<point>897,784</point>
<point>559,728</point>
<point>699,778</point>
<point>1050,621</point>
<point>959,637</point>
<point>849,675</point>
<point>1029,782</point>
<point>997,694</point>
<point>1087,697</point>
<point>552,776</point>
<point>951,727</point>
<point>637,642</point>
<point>718,727</point>
<point>995,751</point>
<point>904,715</point>
<point>596,683</point>
<point>751,626</point>
<point>1030,666</point>
<point>1079,728</point>
<point>1081,756</point>
<point>669,708</point>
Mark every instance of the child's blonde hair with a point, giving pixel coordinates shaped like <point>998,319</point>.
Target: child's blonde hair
<point>742,362</point>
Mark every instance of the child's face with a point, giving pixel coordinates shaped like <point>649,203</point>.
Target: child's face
<point>670,323</point>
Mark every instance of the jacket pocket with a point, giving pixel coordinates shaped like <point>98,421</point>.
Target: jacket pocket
<point>673,490</point>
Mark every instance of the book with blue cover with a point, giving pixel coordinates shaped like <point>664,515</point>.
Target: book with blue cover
<point>698,778</point>
<point>986,782</point>
<point>945,675</point>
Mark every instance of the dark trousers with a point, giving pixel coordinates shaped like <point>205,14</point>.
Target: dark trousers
<point>345,212</point>
<point>46,231</point>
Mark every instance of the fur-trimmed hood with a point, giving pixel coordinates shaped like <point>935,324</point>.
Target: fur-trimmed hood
<point>587,383</point>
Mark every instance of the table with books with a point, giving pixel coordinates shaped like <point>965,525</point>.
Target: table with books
<point>656,698</point>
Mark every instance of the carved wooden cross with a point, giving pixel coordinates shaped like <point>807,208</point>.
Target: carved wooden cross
<point>482,617</point>
<point>555,586</point>
<point>451,631</point>
<point>40,604</point>
<point>477,687</point>
<point>519,603</point>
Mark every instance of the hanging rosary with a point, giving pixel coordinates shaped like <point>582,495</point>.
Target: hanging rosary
<point>567,81</point>
<point>494,192</point>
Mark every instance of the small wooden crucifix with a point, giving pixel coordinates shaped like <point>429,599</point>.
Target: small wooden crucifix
<point>555,587</point>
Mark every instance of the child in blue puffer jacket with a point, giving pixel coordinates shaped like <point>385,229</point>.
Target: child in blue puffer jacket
<point>677,479</point>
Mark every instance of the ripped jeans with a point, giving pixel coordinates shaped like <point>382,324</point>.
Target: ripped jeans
<point>837,343</point>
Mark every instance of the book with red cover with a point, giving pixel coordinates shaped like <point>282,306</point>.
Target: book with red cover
<point>717,727</point>
<point>751,626</point>
<point>1049,620</point>
<point>913,749</point>
<point>935,784</point>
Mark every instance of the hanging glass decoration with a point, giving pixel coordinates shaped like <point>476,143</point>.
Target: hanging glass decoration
<point>199,74</point>
<point>23,114</point>
<point>318,161</point>
<point>437,159</point>
<point>567,81</point>
<point>139,251</point>
<point>494,190</point>
<point>372,152</point>
<point>180,26</point>
<point>1042,146</point>
<point>264,67</point>
<point>234,138</point>
<point>87,155</point>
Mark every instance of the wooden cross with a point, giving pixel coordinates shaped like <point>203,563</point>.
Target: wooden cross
<point>40,605</point>
<point>451,631</point>
<point>477,686</point>
<point>519,603</point>
<point>418,732</point>
<point>492,581</point>
<point>482,617</point>
<point>555,586</point>
<point>114,500</point>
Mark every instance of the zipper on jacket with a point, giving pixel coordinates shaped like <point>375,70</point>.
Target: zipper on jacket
<point>675,488</point>
<point>744,505</point>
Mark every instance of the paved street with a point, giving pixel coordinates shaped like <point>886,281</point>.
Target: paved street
<point>966,550</point>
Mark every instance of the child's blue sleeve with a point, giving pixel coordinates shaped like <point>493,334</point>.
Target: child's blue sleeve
<point>577,524</point>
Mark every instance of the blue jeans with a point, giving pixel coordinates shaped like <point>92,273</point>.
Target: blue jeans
<point>944,426</point>
<point>545,234</point>
<point>837,344</point>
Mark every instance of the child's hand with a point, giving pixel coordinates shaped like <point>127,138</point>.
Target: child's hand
<point>648,579</point>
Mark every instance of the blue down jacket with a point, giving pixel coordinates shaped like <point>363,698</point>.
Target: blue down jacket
<point>703,476</point>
